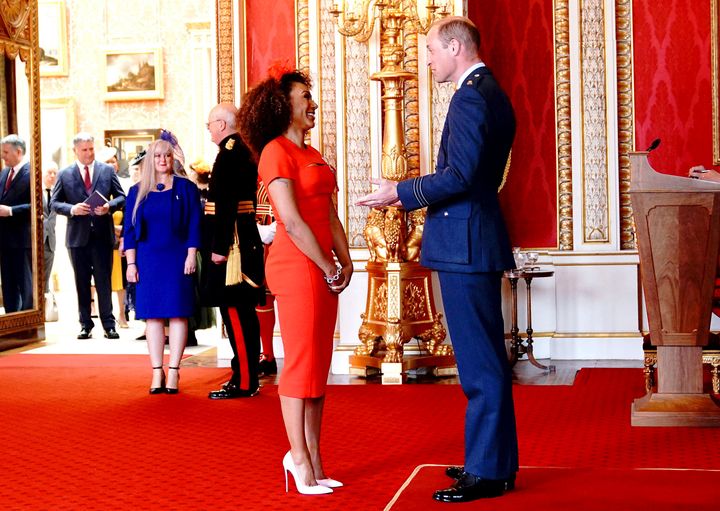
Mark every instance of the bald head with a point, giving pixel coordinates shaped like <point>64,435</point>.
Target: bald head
<point>222,121</point>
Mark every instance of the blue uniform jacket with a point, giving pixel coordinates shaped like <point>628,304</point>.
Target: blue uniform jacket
<point>185,214</point>
<point>464,229</point>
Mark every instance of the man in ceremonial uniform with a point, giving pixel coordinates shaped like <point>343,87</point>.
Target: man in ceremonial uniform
<point>230,206</point>
<point>466,241</point>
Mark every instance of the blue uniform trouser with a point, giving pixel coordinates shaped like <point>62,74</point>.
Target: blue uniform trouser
<point>472,303</point>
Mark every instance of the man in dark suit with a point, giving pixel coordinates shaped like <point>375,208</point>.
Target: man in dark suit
<point>90,234</point>
<point>466,241</point>
<point>49,219</point>
<point>230,206</point>
<point>15,239</point>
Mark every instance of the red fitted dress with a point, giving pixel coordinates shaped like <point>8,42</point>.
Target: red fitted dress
<point>306,308</point>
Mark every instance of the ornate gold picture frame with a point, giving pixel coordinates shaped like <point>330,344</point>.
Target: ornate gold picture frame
<point>133,74</point>
<point>129,143</point>
<point>52,38</point>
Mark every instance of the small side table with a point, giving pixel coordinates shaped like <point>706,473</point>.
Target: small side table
<point>517,348</point>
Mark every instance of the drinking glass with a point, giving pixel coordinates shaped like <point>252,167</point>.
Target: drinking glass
<point>531,258</point>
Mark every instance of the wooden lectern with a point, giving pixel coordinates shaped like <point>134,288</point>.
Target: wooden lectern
<point>677,221</point>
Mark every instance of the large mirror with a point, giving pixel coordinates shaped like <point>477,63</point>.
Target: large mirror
<point>21,309</point>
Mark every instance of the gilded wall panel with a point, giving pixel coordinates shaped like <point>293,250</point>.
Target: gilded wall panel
<point>328,85</point>
<point>623,37</point>
<point>595,177</point>
<point>357,135</point>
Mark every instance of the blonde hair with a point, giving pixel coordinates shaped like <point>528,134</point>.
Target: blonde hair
<point>462,30</point>
<point>147,171</point>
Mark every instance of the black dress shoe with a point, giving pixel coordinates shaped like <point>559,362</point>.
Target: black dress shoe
<point>267,367</point>
<point>469,488</point>
<point>85,333</point>
<point>458,472</point>
<point>110,333</point>
<point>232,391</point>
<point>455,472</point>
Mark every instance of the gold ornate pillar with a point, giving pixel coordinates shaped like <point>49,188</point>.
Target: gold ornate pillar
<point>400,303</point>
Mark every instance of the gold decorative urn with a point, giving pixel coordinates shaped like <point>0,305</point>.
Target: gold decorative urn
<point>400,305</point>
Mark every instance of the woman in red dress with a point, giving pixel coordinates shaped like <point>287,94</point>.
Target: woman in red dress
<point>301,268</point>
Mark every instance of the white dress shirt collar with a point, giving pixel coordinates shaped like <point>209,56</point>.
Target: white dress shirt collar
<point>467,73</point>
<point>91,168</point>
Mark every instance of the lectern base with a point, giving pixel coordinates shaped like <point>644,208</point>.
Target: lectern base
<point>694,410</point>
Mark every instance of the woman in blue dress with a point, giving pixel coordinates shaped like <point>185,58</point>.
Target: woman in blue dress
<point>162,234</point>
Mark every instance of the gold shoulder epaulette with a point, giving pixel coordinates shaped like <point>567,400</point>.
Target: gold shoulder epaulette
<point>230,144</point>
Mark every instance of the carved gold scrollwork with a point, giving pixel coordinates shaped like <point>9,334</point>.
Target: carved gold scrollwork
<point>433,337</point>
<point>413,239</point>
<point>623,37</point>
<point>380,301</point>
<point>225,37</point>
<point>14,15</point>
<point>393,341</point>
<point>413,302</point>
<point>393,235</point>
<point>563,132</point>
<point>369,340</point>
<point>303,36</point>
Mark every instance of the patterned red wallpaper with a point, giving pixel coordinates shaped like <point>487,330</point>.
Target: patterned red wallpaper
<point>672,82</point>
<point>517,44</point>
<point>270,36</point>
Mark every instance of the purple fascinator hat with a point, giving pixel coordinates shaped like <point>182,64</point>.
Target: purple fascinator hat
<point>178,154</point>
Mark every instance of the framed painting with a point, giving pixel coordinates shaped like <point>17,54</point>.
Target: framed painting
<point>57,129</point>
<point>52,37</point>
<point>129,143</point>
<point>133,74</point>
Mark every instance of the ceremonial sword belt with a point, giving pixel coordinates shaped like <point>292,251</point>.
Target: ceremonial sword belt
<point>244,207</point>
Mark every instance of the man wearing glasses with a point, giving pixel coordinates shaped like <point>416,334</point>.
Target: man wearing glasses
<point>230,207</point>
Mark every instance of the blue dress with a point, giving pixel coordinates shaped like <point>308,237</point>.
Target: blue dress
<point>161,238</point>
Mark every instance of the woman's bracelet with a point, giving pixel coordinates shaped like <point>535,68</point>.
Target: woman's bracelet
<point>131,264</point>
<point>334,278</point>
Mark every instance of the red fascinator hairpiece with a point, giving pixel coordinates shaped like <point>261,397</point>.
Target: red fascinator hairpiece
<point>278,69</point>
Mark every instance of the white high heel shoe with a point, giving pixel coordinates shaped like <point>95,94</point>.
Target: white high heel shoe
<point>289,466</point>
<point>330,483</point>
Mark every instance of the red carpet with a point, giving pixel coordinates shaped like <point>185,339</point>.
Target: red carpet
<point>589,489</point>
<point>80,433</point>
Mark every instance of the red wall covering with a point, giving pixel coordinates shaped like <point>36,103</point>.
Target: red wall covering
<point>672,82</point>
<point>517,44</point>
<point>518,47</point>
<point>270,36</point>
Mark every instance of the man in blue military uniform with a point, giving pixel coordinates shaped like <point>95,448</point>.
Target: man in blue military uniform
<point>465,240</point>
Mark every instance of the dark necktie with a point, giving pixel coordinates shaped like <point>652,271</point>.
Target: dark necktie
<point>86,178</point>
<point>47,192</point>
<point>10,178</point>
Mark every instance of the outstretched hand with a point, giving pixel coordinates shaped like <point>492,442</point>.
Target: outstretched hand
<point>385,195</point>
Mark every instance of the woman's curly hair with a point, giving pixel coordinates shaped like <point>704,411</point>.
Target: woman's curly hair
<point>266,111</point>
